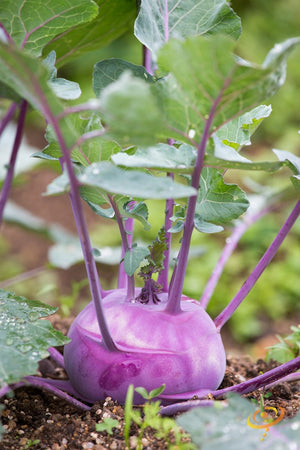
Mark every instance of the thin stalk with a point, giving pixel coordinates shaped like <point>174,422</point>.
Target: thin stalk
<point>7,35</point>
<point>77,218</point>
<point>173,305</point>
<point>13,158</point>
<point>263,380</point>
<point>83,234</point>
<point>147,60</point>
<point>229,247</point>
<point>8,116</point>
<point>124,279</point>
<point>43,384</point>
<point>56,356</point>
<point>163,277</point>
<point>261,266</point>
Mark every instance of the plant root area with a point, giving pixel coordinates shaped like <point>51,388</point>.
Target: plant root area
<point>36,419</point>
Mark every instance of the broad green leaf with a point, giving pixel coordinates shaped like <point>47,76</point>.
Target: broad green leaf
<point>182,159</point>
<point>29,78</point>
<point>90,150</point>
<point>65,89</point>
<point>161,157</point>
<point>130,110</point>
<point>32,24</point>
<point>68,253</point>
<point>133,258</point>
<point>24,339</point>
<point>115,17</point>
<point>210,80</point>
<point>60,185</point>
<point>96,201</point>
<point>160,20</point>
<point>218,427</point>
<point>238,131</point>
<point>218,202</point>
<point>132,183</point>
<point>109,70</point>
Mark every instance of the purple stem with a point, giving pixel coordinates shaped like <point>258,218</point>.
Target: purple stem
<point>43,384</point>
<point>230,245</point>
<point>7,35</point>
<point>166,21</point>
<point>163,277</point>
<point>8,116</point>
<point>57,357</point>
<point>261,266</point>
<point>263,380</point>
<point>171,410</point>
<point>81,227</point>
<point>124,279</point>
<point>175,294</point>
<point>147,60</point>
<point>12,162</point>
<point>77,218</point>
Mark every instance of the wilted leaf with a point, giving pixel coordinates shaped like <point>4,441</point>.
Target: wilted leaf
<point>132,182</point>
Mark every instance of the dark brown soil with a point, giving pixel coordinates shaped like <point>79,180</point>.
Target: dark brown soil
<point>36,419</point>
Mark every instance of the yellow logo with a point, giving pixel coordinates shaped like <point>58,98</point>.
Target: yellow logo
<point>266,420</point>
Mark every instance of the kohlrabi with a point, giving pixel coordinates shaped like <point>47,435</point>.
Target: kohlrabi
<point>167,130</point>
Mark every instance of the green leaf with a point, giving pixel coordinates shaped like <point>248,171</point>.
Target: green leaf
<point>107,425</point>
<point>130,110</point>
<point>238,131</point>
<point>293,162</point>
<point>208,72</point>
<point>226,427</point>
<point>132,183</point>
<point>138,211</point>
<point>32,24</point>
<point>161,157</point>
<point>29,78</point>
<point>133,258</point>
<point>156,255</point>
<point>158,21</point>
<point>24,339</point>
<point>65,89</point>
<point>96,34</point>
<point>109,70</point>
<point>206,227</point>
<point>218,202</point>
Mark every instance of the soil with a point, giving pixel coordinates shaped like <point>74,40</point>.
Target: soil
<point>36,419</point>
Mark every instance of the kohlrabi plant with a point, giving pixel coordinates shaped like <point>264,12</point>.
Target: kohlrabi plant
<point>171,130</point>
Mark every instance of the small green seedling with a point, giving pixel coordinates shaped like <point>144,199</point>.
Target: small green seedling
<point>148,417</point>
<point>107,425</point>
<point>287,348</point>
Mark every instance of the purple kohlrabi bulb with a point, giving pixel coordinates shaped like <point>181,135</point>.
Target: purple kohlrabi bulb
<point>183,351</point>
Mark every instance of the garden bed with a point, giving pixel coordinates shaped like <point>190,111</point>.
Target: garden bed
<point>37,419</point>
